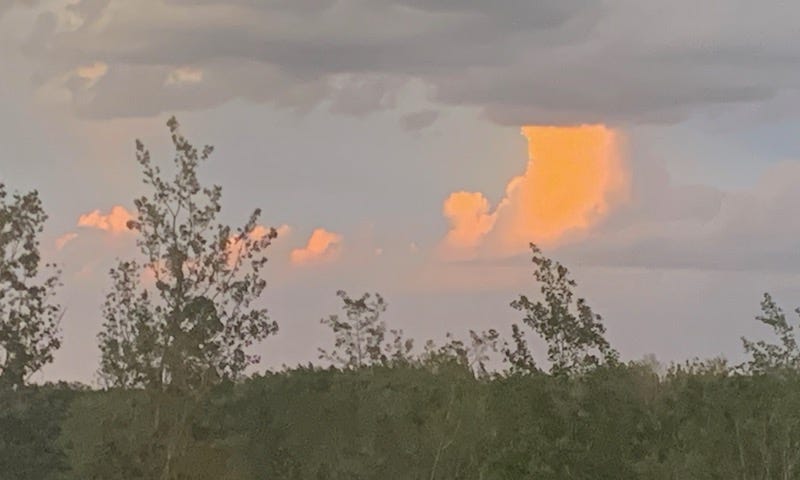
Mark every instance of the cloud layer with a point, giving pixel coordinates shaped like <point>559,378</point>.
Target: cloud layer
<point>521,62</point>
<point>700,228</point>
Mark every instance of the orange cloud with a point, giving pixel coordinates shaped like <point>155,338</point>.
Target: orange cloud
<point>470,220</point>
<point>573,177</point>
<point>63,240</point>
<point>115,221</point>
<point>322,246</point>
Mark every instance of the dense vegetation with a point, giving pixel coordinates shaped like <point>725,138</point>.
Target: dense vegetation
<point>176,402</point>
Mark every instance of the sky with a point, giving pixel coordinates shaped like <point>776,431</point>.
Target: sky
<point>415,147</point>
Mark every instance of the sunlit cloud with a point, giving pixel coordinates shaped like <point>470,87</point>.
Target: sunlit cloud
<point>284,230</point>
<point>63,240</point>
<point>573,177</point>
<point>470,220</point>
<point>92,73</point>
<point>116,221</point>
<point>322,246</point>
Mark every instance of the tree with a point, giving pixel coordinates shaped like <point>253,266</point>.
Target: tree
<point>359,337</point>
<point>573,332</point>
<point>29,316</point>
<point>180,322</point>
<point>770,356</point>
<point>190,326</point>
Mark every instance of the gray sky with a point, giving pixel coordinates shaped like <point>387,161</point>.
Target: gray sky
<point>362,117</point>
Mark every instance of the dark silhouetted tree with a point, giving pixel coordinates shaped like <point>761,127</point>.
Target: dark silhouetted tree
<point>573,332</point>
<point>192,326</point>
<point>29,316</point>
<point>181,321</point>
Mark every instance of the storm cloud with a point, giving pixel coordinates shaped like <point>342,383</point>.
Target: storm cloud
<point>520,62</point>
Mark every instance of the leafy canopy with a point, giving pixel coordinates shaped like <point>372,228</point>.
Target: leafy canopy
<point>29,315</point>
<point>185,315</point>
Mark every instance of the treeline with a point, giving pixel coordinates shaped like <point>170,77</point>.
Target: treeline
<point>414,422</point>
<point>176,403</point>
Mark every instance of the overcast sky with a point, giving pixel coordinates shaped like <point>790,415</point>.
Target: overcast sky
<point>385,138</point>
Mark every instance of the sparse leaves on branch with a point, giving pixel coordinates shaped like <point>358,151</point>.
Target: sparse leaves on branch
<point>766,356</point>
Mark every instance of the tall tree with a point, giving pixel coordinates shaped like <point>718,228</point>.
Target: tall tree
<point>179,322</point>
<point>29,315</point>
<point>185,316</point>
<point>573,332</point>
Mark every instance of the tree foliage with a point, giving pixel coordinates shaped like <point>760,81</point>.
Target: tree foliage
<point>178,323</point>
<point>767,356</point>
<point>360,337</point>
<point>184,316</point>
<point>29,315</point>
<point>573,332</point>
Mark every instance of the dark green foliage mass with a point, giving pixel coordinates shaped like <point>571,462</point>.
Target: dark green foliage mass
<point>412,422</point>
<point>31,421</point>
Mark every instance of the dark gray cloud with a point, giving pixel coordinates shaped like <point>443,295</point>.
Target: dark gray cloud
<point>521,62</point>
<point>362,95</point>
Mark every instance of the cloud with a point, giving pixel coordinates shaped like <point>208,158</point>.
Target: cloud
<point>362,94</point>
<point>283,230</point>
<point>470,220</point>
<point>92,73</point>
<point>419,120</point>
<point>574,176</point>
<point>184,76</point>
<point>521,62</point>
<point>701,228</point>
<point>7,5</point>
<point>322,246</point>
<point>63,240</point>
<point>260,231</point>
<point>115,221</point>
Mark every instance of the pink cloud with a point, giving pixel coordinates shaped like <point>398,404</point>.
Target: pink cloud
<point>63,240</point>
<point>321,246</point>
<point>116,221</point>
